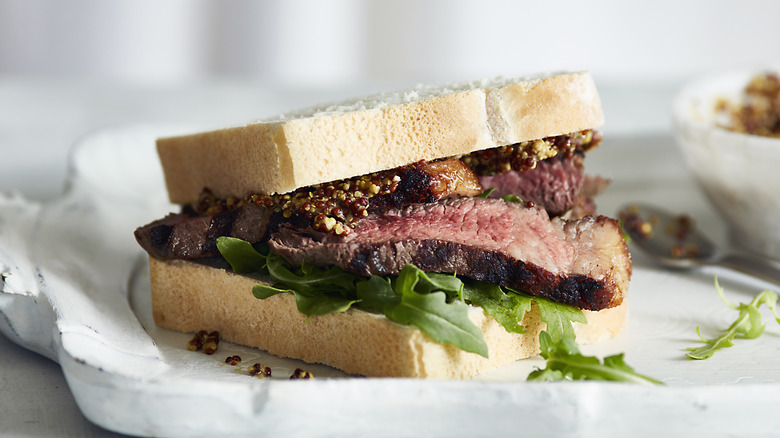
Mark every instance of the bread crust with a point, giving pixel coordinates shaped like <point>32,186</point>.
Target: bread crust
<point>188,297</point>
<point>357,138</point>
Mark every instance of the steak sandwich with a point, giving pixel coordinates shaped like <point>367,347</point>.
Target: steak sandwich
<point>432,232</point>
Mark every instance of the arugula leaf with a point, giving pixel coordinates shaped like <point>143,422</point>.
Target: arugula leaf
<point>445,323</point>
<point>241,255</point>
<point>565,362</point>
<point>506,308</point>
<point>318,291</point>
<point>486,193</point>
<point>512,198</point>
<point>308,303</point>
<point>422,300</point>
<point>376,293</point>
<point>559,319</point>
<point>309,279</point>
<point>413,278</point>
<point>748,325</point>
<point>507,198</point>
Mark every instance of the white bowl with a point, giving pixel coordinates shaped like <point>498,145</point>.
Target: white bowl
<point>739,173</point>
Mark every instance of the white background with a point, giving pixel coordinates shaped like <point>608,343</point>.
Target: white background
<point>334,42</point>
<point>68,67</point>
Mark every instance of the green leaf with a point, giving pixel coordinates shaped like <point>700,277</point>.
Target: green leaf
<point>309,304</point>
<point>559,318</point>
<point>241,255</point>
<point>507,198</point>
<point>445,323</point>
<point>546,375</point>
<point>748,325</point>
<point>413,278</point>
<point>309,279</point>
<point>486,193</point>
<point>512,198</point>
<point>262,291</point>
<point>508,309</point>
<point>565,362</point>
<point>424,301</point>
<point>711,345</point>
<point>376,294</point>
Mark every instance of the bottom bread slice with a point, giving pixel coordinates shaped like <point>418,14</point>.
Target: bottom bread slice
<point>189,296</point>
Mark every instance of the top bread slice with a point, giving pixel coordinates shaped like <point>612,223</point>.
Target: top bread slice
<point>378,133</point>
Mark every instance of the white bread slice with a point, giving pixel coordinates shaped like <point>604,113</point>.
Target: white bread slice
<point>188,297</point>
<point>383,132</point>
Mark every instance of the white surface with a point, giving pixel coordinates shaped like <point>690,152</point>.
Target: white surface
<point>738,172</point>
<point>70,265</point>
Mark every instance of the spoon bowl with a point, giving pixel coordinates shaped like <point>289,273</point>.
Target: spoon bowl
<point>672,240</point>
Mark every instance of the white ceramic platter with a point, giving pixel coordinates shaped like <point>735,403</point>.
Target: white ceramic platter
<point>74,288</point>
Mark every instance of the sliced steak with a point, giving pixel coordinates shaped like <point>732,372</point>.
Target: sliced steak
<point>193,234</point>
<point>554,184</point>
<point>584,263</point>
<point>427,181</point>
<point>592,186</point>
<point>185,236</point>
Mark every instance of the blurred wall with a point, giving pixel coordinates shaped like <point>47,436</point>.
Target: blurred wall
<point>323,42</point>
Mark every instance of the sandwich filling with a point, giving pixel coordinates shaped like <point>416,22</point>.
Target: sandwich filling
<point>337,206</point>
<point>430,214</point>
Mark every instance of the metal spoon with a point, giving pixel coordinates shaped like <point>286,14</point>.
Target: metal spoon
<point>674,241</point>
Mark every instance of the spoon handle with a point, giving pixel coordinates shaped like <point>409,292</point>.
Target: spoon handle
<point>751,265</point>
